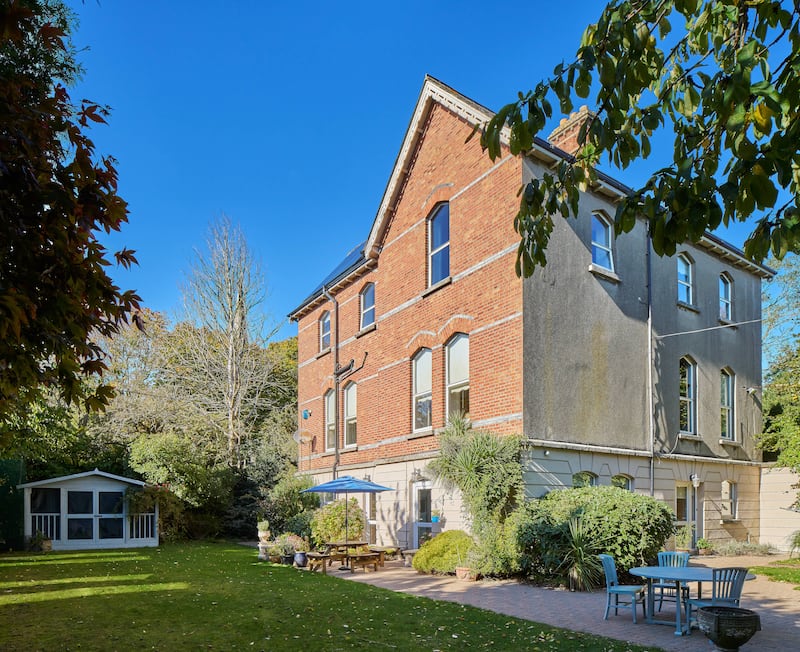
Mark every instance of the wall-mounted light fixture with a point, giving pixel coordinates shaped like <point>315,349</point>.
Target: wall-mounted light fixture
<point>416,476</point>
<point>695,480</point>
<point>306,414</point>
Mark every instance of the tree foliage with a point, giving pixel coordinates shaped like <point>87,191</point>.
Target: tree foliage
<point>782,409</point>
<point>780,305</point>
<point>56,197</point>
<point>723,74</point>
<point>220,360</point>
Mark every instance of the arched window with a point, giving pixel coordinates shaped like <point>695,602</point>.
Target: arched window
<point>622,481</point>
<point>725,298</point>
<point>422,389</point>
<point>367,305</point>
<point>325,331</point>
<point>688,396</point>
<point>458,375</point>
<point>602,234</point>
<point>439,244</point>
<point>727,421</point>
<point>584,479</point>
<point>350,429</point>
<point>330,420</point>
<point>685,280</point>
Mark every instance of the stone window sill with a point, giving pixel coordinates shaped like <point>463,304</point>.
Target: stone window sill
<point>603,273</point>
<point>688,306</point>
<point>730,442</point>
<point>366,329</point>
<point>433,288</point>
<point>689,436</point>
<point>323,353</point>
<point>428,432</point>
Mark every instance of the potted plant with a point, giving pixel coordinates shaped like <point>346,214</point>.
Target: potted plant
<point>704,546</point>
<point>274,552</point>
<point>263,530</point>
<point>684,536</point>
<point>287,549</point>
<point>436,514</point>
<point>463,571</point>
<point>301,549</point>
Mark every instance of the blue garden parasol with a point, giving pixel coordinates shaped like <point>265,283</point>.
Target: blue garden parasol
<point>345,485</point>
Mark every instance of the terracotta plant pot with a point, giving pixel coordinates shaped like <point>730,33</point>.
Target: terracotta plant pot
<point>728,627</point>
<point>465,573</point>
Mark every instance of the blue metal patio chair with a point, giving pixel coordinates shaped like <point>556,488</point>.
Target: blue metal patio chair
<point>665,590</point>
<point>726,590</point>
<point>633,592</point>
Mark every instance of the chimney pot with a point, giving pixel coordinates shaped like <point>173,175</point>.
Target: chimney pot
<point>565,136</point>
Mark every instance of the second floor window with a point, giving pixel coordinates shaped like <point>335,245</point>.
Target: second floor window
<point>458,375</point>
<point>325,331</point>
<point>685,280</point>
<point>725,303</point>
<point>688,396</point>
<point>439,244</point>
<point>350,435</point>
<point>330,420</point>
<point>727,428</point>
<point>601,243</point>
<point>368,305</point>
<point>422,389</point>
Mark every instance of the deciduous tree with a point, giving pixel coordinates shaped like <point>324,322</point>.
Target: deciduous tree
<point>723,75</point>
<point>56,197</point>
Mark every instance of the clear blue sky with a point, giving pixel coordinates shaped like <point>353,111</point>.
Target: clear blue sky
<point>287,116</point>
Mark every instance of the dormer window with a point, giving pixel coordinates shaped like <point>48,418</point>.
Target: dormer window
<point>439,244</point>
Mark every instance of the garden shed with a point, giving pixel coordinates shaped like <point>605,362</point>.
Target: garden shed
<point>86,511</point>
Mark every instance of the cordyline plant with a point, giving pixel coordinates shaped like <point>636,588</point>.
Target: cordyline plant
<point>723,74</point>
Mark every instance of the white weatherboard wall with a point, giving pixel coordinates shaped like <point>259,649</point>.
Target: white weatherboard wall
<point>778,518</point>
<point>87,511</point>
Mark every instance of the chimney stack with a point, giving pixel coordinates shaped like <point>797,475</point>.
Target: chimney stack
<point>565,136</point>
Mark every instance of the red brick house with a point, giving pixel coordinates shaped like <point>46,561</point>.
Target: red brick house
<point>616,366</point>
<point>432,287</point>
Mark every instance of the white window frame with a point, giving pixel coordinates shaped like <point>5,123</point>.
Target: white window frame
<point>458,384</point>
<point>350,415</point>
<point>725,298</point>
<point>330,420</point>
<point>687,285</point>
<point>367,311</point>
<point>727,405</point>
<point>325,331</point>
<point>604,247</point>
<point>445,246</point>
<point>689,399</point>
<point>729,498</point>
<point>421,395</point>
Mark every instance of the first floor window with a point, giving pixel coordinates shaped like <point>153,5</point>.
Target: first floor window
<point>688,396</point>
<point>330,421</point>
<point>422,389</point>
<point>350,415</point>
<point>727,429</point>
<point>458,375</point>
<point>685,280</point>
<point>725,298</point>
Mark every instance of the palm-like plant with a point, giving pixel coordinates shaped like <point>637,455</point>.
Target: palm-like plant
<point>582,565</point>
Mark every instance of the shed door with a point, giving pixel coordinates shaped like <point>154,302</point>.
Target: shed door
<point>85,523</point>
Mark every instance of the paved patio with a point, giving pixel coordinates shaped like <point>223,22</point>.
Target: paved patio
<point>777,604</point>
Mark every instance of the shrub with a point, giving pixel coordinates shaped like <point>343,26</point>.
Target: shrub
<point>630,527</point>
<point>286,500</point>
<point>328,522</point>
<point>794,542</point>
<point>735,548</point>
<point>444,552</point>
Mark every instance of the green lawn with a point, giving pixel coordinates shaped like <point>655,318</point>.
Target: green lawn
<point>781,571</point>
<point>219,597</point>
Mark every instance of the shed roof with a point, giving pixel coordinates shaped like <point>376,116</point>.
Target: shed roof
<point>85,474</point>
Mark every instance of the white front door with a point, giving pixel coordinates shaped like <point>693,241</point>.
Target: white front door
<point>423,527</point>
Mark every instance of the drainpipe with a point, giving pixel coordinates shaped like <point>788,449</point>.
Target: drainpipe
<point>336,376</point>
<point>650,400</point>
